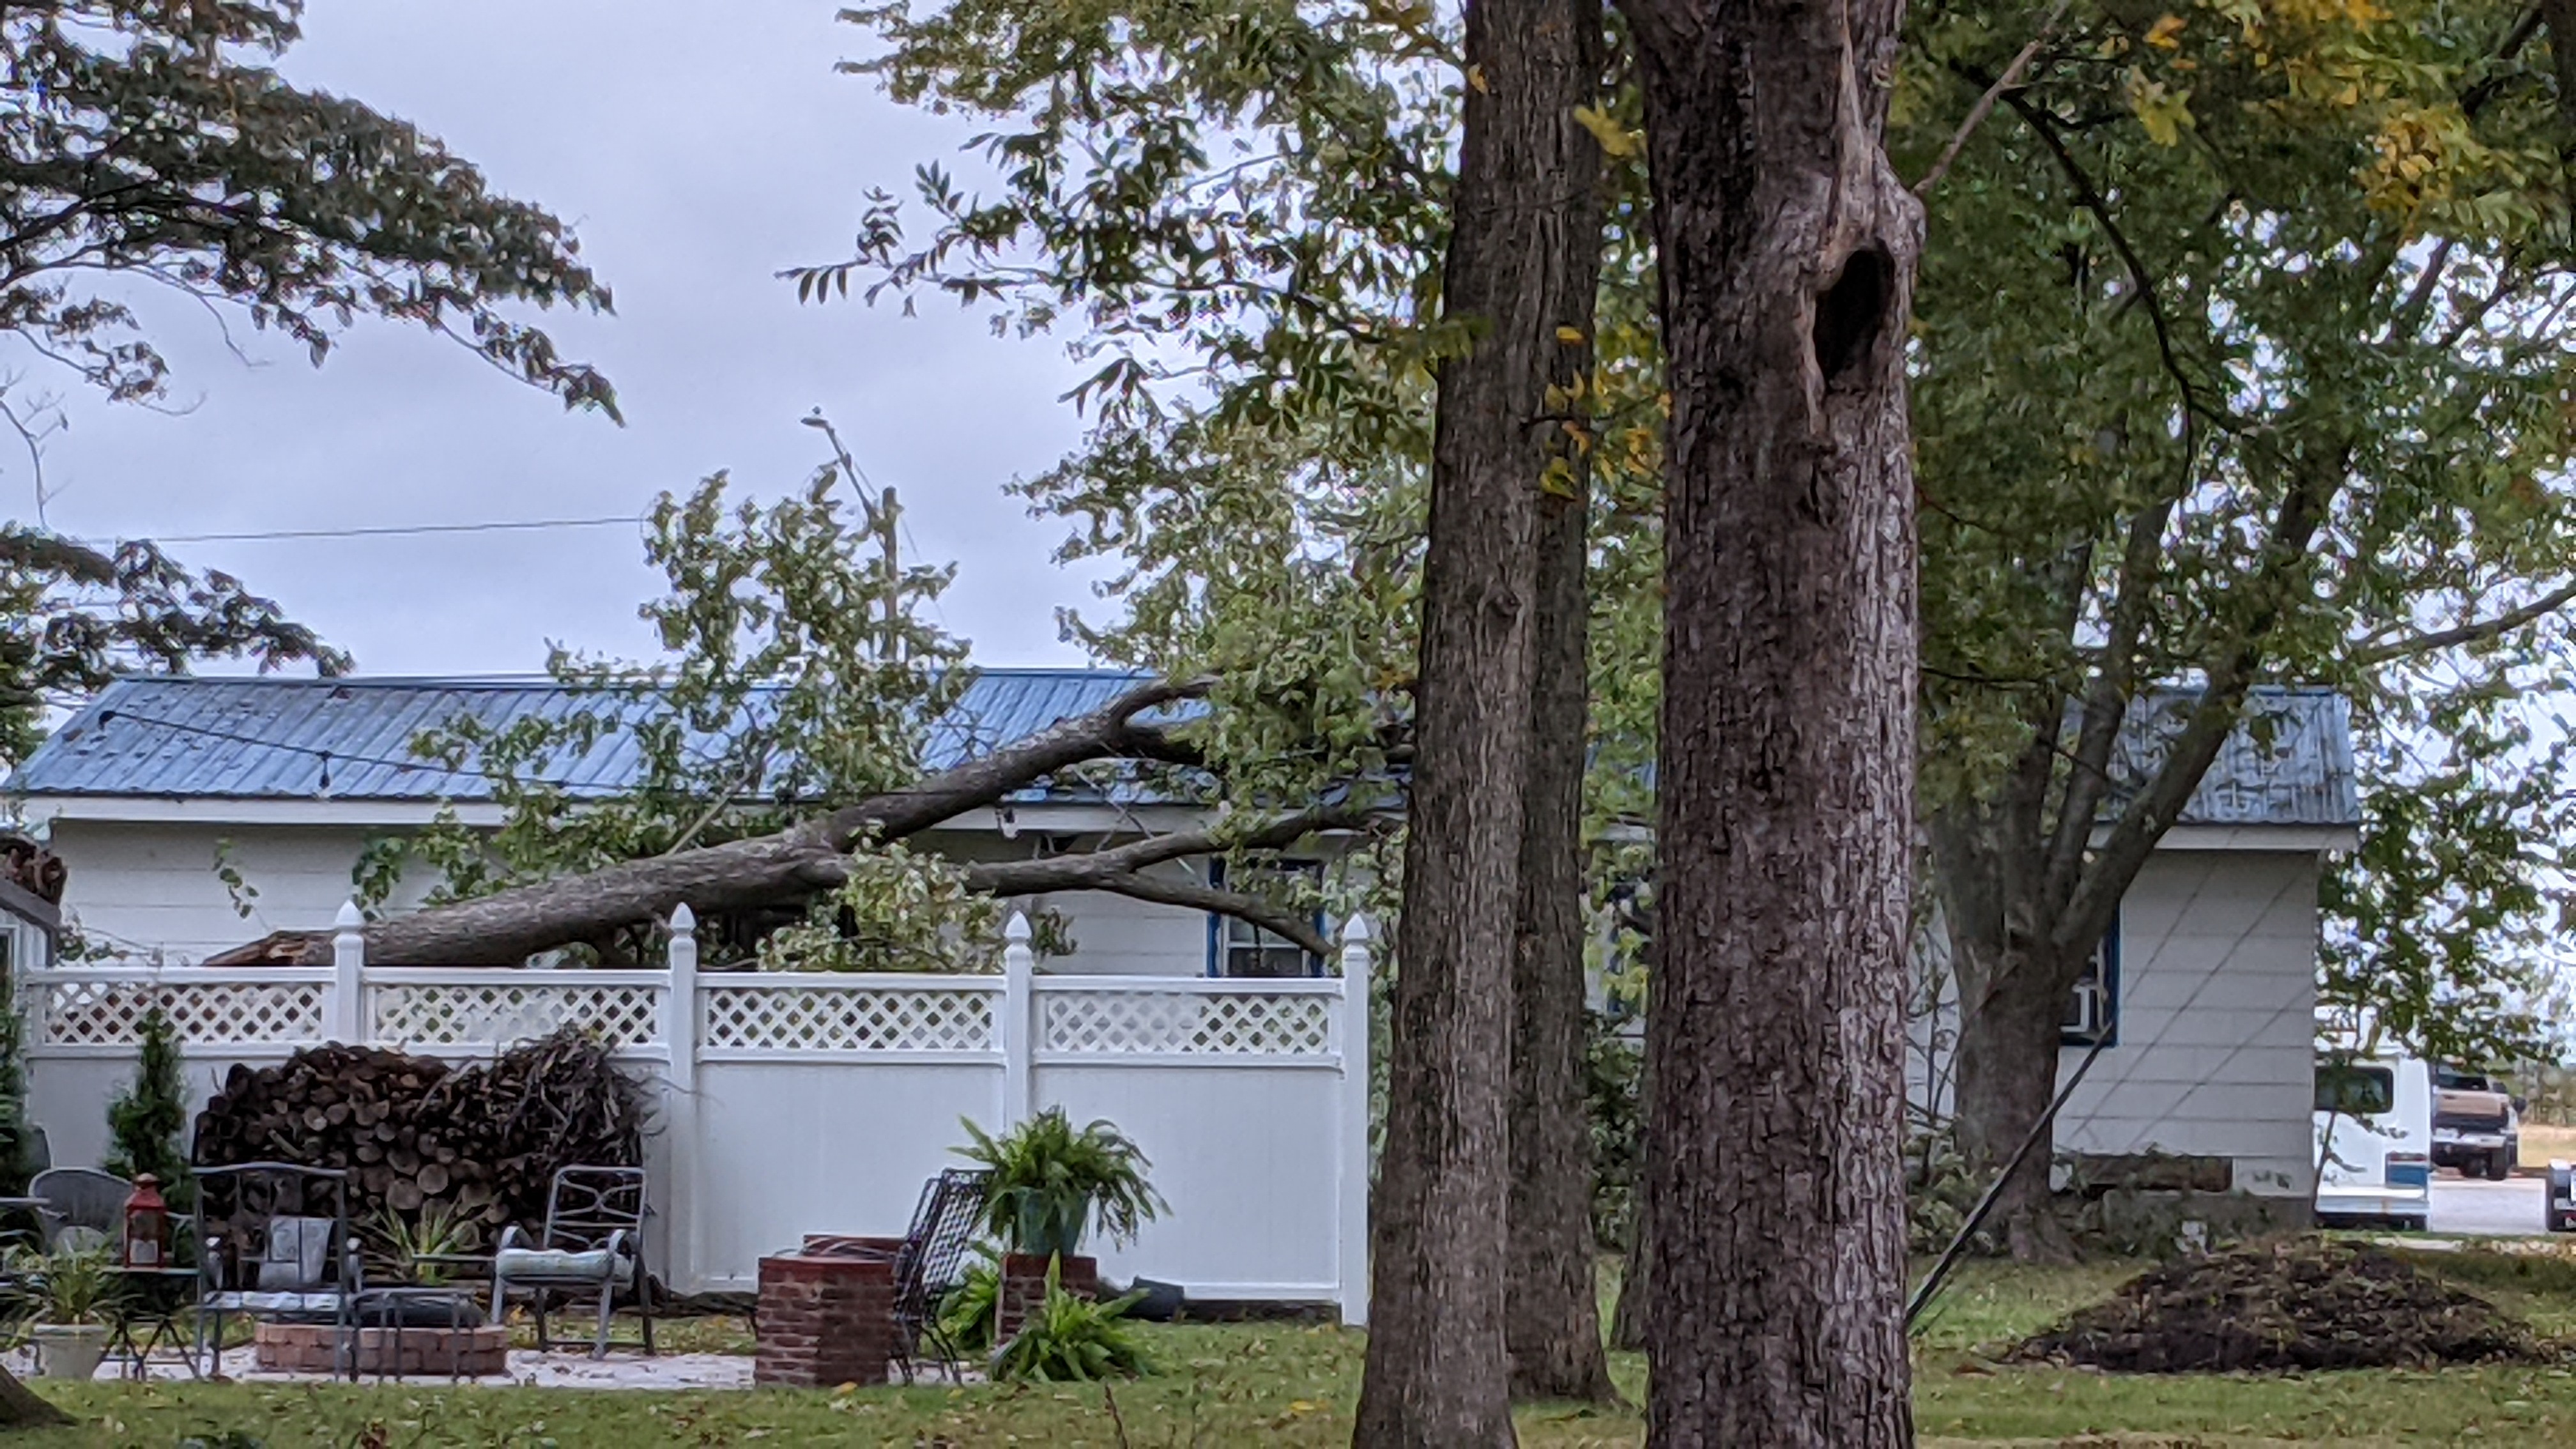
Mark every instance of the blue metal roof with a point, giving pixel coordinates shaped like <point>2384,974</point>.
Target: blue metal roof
<point>271,738</point>
<point>265,738</point>
<point>2289,762</point>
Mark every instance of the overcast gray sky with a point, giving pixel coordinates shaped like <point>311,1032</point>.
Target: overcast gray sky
<point>696,150</point>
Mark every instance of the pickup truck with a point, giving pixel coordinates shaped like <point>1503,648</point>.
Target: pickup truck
<point>2475,1127</point>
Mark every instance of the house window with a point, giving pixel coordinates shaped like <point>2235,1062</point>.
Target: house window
<point>2093,1009</point>
<point>1239,948</point>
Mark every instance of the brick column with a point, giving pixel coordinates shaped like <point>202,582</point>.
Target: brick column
<point>1023,1288</point>
<point>825,1320</point>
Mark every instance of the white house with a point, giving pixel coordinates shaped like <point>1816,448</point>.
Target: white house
<point>197,814</point>
<point>2204,993</point>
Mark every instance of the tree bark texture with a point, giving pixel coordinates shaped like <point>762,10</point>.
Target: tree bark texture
<point>22,1408</point>
<point>1631,1317</point>
<point>1786,248</point>
<point>1552,1315</point>
<point>1437,1371</point>
<point>1990,867</point>
<point>2007,1072</point>
<point>1552,1308</point>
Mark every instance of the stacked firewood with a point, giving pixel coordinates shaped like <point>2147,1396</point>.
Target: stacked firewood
<point>31,867</point>
<point>478,1145</point>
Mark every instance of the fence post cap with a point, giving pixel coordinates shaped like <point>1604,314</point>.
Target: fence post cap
<point>683,920</point>
<point>1355,931</point>
<point>1017,931</point>
<point>350,917</point>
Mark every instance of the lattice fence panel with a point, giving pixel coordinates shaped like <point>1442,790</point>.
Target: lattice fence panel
<point>1126,1023</point>
<point>825,1018</point>
<point>500,1014</point>
<point>110,1013</point>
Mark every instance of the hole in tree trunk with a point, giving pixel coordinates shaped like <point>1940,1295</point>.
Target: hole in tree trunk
<point>1852,312</point>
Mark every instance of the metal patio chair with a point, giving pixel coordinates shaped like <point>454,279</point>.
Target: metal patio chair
<point>83,1207</point>
<point>274,1244</point>
<point>932,1262</point>
<point>592,1243</point>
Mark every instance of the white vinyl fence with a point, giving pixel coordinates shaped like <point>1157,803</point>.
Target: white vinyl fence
<point>797,1103</point>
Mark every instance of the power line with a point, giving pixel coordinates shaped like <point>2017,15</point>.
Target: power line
<point>402,530</point>
<point>326,757</point>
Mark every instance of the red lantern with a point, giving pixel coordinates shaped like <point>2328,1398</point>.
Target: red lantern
<point>147,1225</point>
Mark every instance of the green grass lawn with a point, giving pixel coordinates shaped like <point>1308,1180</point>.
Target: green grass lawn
<point>1296,1385</point>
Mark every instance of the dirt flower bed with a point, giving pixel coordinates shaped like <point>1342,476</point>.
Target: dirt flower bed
<point>2296,1303</point>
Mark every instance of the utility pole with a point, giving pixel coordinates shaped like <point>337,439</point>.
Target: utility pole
<point>886,512</point>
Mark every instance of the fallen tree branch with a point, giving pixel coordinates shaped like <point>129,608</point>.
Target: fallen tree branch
<point>796,864</point>
<point>1119,870</point>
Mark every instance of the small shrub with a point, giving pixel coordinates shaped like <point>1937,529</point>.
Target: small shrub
<point>1051,1183</point>
<point>17,1134</point>
<point>1072,1340</point>
<point>968,1313</point>
<point>147,1124</point>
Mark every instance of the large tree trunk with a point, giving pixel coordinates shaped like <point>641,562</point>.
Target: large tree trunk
<point>1552,1320</point>
<point>1786,247</point>
<point>1437,1370</point>
<point>2012,1006</point>
<point>21,1408</point>
<point>1552,1312</point>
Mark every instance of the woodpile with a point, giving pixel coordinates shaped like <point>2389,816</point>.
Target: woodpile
<point>479,1144</point>
<point>29,866</point>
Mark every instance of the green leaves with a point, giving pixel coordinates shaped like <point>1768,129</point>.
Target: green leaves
<point>72,617</point>
<point>797,674</point>
<point>1072,1340</point>
<point>2240,355</point>
<point>169,155</point>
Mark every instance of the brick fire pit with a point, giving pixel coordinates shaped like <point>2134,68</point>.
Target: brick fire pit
<point>826,1318</point>
<point>315,1348</point>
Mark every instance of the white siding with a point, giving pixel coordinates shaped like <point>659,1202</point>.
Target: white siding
<point>1112,935</point>
<point>152,887</point>
<point>2217,1022</point>
<point>2217,1028</point>
<point>1116,936</point>
<point>144,888</point>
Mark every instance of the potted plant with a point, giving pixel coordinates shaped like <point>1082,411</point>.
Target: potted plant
<point>71,1290</point>
<point>1051,1186</point>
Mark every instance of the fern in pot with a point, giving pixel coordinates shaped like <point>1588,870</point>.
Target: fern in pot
<point>1052,1186</point>
<point>72,1292</point>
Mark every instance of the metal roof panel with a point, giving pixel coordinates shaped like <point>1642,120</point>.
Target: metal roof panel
<point>271,738</point>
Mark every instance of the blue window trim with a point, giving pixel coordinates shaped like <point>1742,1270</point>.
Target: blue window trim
<point>1216,923</point>
<point>2110,1033</point>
